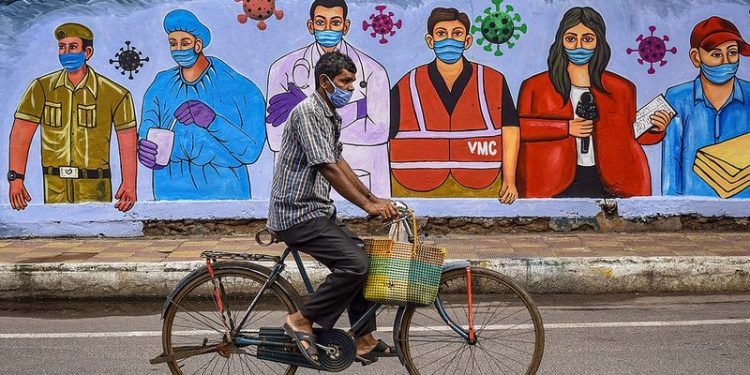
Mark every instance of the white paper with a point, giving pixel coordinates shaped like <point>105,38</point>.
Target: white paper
<point>643,117</point>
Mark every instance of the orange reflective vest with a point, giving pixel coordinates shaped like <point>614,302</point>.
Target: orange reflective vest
<point>432,144</point>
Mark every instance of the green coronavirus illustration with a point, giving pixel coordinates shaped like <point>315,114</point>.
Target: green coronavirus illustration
<point>498,27</point>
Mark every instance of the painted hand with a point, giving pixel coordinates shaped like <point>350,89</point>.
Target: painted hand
<point>147,151</point>
<point>508,193</point>
<point>126,198</point>
<point>660,120</point>
<point>195,112</point>
<point>580,128</point>
<point>18,195</point>
<point>282,104</point>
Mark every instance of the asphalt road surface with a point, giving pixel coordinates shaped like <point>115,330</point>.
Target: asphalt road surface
<point>584,335</point>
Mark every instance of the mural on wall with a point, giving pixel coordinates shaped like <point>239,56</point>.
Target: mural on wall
<point>364,129</point>
<point>454,122</point>
<point>129,60</point>
<point>202,122</point>
<point>77,108</point>
<point>498,27</point>
<point>714,109</point>
<point>652,50</point>
<point>595,123</point>
<point>259,10</point>
<point>568,150</point>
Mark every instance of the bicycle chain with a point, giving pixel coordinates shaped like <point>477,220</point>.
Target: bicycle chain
<point>214,255</point>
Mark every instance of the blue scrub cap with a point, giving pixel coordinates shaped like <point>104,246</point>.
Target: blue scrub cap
<point>184,20</point>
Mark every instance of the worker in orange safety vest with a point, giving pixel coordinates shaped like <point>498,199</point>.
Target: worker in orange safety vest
<point>454,124</point>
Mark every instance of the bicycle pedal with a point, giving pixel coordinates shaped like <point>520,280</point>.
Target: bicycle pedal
<point>364,361</point>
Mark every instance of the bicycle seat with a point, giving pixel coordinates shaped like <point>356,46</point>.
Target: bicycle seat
<point>272,237</point>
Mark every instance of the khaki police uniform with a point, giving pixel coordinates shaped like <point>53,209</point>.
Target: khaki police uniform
<point>77,128</point>
<point>76,133</point>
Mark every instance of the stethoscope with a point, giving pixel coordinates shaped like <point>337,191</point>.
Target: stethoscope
<point>302,68</point>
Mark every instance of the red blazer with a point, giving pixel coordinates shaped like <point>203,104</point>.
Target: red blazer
<point>547,157</point>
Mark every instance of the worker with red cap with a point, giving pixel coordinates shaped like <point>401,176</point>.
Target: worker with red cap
<point>711,109</point>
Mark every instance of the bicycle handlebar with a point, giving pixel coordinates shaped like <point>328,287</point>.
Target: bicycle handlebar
<point>402,208</point>
<point>272,238</point>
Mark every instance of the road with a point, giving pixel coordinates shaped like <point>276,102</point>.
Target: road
<point>584,335</point>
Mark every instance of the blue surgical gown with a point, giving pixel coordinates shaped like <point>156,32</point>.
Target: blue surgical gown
<point>207,164</point>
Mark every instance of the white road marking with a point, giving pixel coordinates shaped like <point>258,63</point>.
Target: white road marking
<point>679,323</point>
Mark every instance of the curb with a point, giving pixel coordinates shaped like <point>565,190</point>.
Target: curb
<point>576,275</point>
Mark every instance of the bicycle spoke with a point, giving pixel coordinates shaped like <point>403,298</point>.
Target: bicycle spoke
<point>195,310</point>
<point>505,325</point>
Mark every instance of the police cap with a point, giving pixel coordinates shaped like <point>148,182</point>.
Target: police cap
<point>73,30</point>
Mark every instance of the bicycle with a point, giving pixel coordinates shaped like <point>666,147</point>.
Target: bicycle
<point>217,318</point>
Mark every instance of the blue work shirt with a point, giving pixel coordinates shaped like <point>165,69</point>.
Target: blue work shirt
<point>696,125</point>
<point>207,164</point>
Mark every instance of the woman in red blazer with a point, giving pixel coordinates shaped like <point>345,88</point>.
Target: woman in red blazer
<point>570,147</point>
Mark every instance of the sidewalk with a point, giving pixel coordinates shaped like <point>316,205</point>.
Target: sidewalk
<point>681,262</point>
<point>459,247</point>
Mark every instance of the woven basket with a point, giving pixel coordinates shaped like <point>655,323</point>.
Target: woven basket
<point>403,274</point>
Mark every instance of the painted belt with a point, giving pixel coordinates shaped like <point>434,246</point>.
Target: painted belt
<point>77,173</point>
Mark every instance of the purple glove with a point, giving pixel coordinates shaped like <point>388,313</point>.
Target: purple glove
<point>282,104</point>
<point>147,151</point>
<point>195,112</point>
<point>361,108</point>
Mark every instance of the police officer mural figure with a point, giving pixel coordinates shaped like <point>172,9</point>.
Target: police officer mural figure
<point>77,109</point>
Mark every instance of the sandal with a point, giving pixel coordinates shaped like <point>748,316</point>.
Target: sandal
<point>380,350</point>
<point>310,353</point>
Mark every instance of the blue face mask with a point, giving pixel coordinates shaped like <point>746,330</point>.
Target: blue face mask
<point>449,50</point>
<point>328,38</point>
<point>72,61</point>
<point>720,74</point>
<point>579,56</point>
<point>185,58</point>
<point>340,97</point>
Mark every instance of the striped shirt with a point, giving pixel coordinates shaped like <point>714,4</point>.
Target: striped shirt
<point>300,192</point>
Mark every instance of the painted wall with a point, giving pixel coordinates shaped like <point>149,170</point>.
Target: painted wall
<point>397,147</point>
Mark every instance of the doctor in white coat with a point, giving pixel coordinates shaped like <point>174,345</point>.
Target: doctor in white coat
<point>365,120</point>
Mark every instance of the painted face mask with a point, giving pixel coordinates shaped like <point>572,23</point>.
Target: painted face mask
<point>449,50</point>
<point>185,58</point>
<point>720,74</point>
<point>72,61</point>
<point>340,97</point>
<point>328,38</point>
<point>579,56</point>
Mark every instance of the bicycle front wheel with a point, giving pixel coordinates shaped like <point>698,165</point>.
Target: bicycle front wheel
<point>507,338</point>
<point>193,324</point>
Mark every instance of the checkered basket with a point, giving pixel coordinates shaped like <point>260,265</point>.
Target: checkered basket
<point>402,273</point>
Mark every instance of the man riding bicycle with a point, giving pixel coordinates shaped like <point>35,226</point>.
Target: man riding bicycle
<point>302,213</point>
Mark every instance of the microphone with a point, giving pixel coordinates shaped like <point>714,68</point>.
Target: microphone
<point>587,110</point>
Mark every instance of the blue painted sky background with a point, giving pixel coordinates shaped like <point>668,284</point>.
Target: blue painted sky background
<point>28,49</point>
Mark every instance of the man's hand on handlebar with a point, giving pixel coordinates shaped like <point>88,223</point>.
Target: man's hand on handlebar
<point>383,208</point>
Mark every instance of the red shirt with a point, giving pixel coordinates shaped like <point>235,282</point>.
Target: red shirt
<point>548,157</point>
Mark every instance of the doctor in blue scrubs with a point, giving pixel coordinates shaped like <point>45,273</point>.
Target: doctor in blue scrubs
<point>217,115</point>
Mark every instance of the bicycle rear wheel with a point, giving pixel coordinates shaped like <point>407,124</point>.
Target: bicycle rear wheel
<point>508,330</point>
<point>192,322</point>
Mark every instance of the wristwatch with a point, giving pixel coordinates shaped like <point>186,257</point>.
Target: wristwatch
<point>13,175</point>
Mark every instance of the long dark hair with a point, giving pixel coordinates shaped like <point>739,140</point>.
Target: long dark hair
<point>558,59</point>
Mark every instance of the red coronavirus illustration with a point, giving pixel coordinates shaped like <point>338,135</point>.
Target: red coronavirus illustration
<point>652,49</point>
<point>382,24</point>
<point>259,10</point>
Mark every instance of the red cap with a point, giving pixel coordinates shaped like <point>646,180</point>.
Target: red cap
<point>716,31</point>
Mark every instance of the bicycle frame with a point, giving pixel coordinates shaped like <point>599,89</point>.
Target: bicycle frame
<point>372,311</point>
